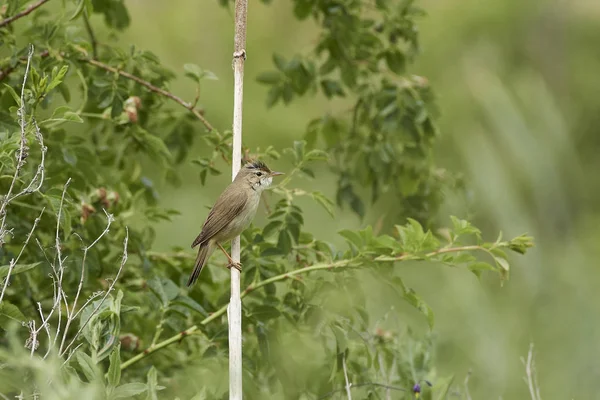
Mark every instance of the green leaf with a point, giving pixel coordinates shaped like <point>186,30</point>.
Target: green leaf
<point>14,94</point>
<point>316,155</point>
<point>190,303</point>
<point>57,77</point>
<point>414,300</point>
<point>279,61</point>
<point>464,227</point>
<point>265,312</point>
<point>193,71</point>
<point>8,313</point>
<point>325,202</point>
<point>284,242</point>
<point>88,367</point>
<point>299,146</point>
<point>352,237</point>
<point>129,390</point>
<point>332,88</point>
<point>502,263</point>
<point>17,269</point>
<point>478,267</point>
<point>114,369</point>
<point>102,324</point>
<point>273,96</point>
<point>152,384</point>
<point>442,388</point>
<point>269,77</point>
<point>303,8</point>
<point>340,338</point>
<point>164,289</point>
<point>396,61</point>
<point>272,227</point>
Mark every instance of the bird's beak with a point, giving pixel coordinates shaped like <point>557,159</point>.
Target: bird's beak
<point>276,173</point>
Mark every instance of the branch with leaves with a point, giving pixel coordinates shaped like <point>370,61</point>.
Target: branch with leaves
<point>363,244</point>
<point>23,13</point>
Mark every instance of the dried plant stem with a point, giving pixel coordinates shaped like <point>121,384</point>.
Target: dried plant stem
<point>71,313</point>
<point>23,13</point>
<point>347,263</point>
<point>531,379</point>
<point>34,184</point>
<point>348,385</point>
<point>234,310</point>
<point>106,293</point>
<point>21,152</point>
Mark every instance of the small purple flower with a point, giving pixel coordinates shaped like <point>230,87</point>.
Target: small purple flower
<point>416,388</point>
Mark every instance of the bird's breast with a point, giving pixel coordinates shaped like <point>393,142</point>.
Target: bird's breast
<point>242,220</point>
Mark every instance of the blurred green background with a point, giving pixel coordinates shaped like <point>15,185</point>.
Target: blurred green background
<point>517,83</point>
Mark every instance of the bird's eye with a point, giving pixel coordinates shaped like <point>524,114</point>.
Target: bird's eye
<point>259,173</point>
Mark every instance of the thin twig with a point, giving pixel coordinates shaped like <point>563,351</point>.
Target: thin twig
<point>71,314</point>
<point>152,88</point>
<point>21,152</point>
<point>534,390</point>
<point>23,13</point>
<point>348,384</point>
<point>90,31</point>
<point>14,261</point>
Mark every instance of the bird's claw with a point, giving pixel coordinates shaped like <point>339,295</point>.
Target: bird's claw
<point>235,265</point>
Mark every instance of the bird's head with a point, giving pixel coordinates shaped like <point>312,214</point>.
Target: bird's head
<point>257,175</point>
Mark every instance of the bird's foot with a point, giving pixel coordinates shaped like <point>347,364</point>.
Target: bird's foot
<point>236,265</point>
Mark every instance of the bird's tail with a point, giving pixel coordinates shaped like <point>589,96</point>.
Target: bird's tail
<point>204,253</point>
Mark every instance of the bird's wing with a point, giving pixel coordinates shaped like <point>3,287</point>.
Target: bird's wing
<point>228,206</point>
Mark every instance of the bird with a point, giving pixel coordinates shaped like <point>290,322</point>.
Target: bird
<point>232,213</point>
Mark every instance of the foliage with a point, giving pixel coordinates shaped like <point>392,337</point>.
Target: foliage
<point>79,122</point>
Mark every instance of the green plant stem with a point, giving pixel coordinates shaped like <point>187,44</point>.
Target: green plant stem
<point>317,267</point>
